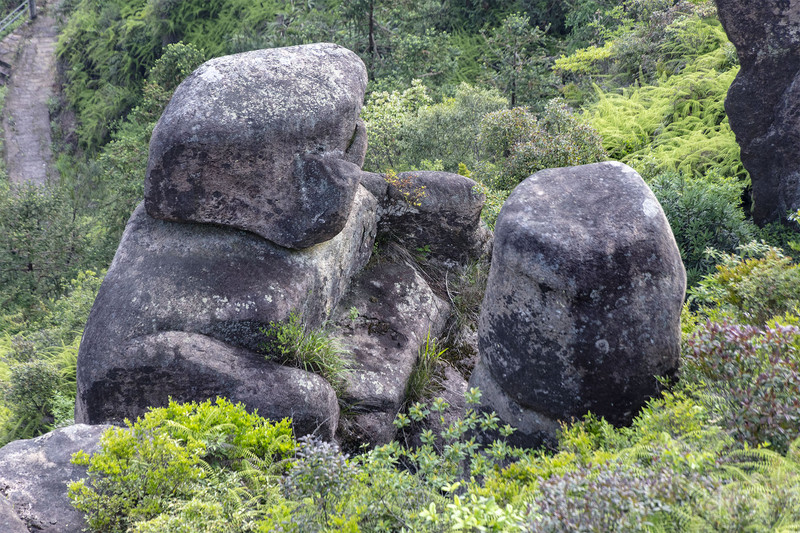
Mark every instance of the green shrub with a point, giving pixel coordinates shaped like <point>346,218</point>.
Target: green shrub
<point>176,63</point>
<point>704,212</point>
<point>315,350</point>
<point>386,116</point>
<point>172,455</point>
<point>523,144</point>
<point>391,488</point>
<point>609,498</point>
<point>515,61</point>
<point>750,287</point>
<point>42,244</point>
<point>30,393</point>
<point>448,130</point>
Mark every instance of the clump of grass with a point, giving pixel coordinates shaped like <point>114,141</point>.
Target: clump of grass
<point>424,381</point>
<point>317,350</point>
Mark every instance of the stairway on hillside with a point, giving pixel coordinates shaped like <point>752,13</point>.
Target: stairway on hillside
<point>8,52</point>
<point>29,55</point>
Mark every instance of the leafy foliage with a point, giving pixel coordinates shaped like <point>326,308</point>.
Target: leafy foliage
<point>523,144</point>
<point>296,344</point>
<point>703,212</point>
<point>755,374</point>
<point>174,454</point>
<point>513,60</point>
<point>677,124</point>
<point>758,283</point>
<point>42,242</point>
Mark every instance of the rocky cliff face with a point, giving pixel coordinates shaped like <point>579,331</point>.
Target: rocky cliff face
<point>256,210</point>
<point>763,103</point>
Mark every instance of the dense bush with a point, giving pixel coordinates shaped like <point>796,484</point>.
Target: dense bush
<point>752,286</point>
<point>43,238</point>
<point>755,375</point>
<point>703,212</point>
<point>177,455</point>
<point>522,144</point>
<point>448,130</point>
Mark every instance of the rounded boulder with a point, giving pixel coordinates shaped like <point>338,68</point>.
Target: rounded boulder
<point>269,141</point>
<point>583,301</point>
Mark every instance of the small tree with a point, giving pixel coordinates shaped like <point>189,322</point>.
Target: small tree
<point>510,62</point>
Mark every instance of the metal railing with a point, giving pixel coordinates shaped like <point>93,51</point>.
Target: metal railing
<point>28,6</point>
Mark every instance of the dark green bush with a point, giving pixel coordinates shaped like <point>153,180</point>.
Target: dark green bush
<point>43,239</point>
<point>704,212</point>
<point>523,144</point>
<point>611,498</point>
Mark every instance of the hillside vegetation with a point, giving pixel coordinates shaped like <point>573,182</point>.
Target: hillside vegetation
<point>492,90</point>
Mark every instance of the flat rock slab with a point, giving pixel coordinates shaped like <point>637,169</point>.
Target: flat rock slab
<point>33,479</point>
<point>191,367</point>
<point>218,282</point>
<point>384,319</point>
<point>583,300</point>
<point>269,141</point>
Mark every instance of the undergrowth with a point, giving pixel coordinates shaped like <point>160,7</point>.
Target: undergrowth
<point>316,350</point>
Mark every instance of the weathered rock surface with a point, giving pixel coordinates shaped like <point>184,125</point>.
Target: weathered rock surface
<point>33,480</point>
<point>192,367</point>
<point>444,215</point>
<point>217,282</point>
<point>583,301</point>
<point>9,521</point>
<point>269,141</point>
<point>385,318</point>
<point>763,103</point>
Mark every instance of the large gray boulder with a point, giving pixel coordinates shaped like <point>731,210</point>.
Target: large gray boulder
<point>583,301</point>
<point>216,282</point>
<point>33,480</point>
<point>269,141</point>
<point>763,103</point>
<point>438,212</point>
<point>385,319</point>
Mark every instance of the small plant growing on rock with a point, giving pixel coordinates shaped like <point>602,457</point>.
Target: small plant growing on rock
<point>424,382</point>
<point>316,350</point>
<point>412,194</point>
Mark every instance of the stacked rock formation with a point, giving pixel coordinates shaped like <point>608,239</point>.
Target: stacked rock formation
<point>763,103</point>
<point>268,142</point>
<point>583,301</point>
<point>254,210</point>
